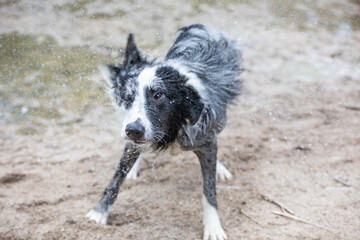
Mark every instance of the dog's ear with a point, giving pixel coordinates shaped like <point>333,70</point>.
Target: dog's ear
<point>132,54</point>
<point>193,106</point>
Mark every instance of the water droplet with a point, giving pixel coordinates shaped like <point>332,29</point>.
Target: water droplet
<point>24,110</point>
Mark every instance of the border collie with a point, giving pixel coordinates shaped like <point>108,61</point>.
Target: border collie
<point>182,99</point>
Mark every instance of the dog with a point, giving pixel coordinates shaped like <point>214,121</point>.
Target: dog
<point>182,99</point>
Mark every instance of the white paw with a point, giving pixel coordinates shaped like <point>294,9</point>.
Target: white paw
<point>214,233</point>
<point>98,217</point>
<point>221,172</point>
<point>211,221</point>
<point>133,173</point>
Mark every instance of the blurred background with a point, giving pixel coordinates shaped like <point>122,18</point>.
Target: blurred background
<point>294,134</point>
<point>50,49</point>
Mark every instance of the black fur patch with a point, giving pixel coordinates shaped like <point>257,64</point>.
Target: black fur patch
<point>181,104</point>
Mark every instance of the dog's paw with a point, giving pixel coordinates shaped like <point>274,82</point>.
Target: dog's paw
<point>214,233</point>
<point>211,221</point>
<point>221,172</point>
<point>98,217</point>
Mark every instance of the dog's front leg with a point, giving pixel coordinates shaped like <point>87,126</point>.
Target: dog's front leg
<point>101,210</point>
<point>211,221</point>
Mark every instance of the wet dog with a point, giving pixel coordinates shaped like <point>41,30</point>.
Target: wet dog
<point>182,99</point>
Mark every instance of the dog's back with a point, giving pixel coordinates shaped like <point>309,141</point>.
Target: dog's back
<point>213,58</point>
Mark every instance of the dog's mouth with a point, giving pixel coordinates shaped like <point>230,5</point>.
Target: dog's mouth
<point>141,141</point>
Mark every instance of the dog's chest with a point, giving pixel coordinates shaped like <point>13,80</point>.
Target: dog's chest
<point>193,137</point>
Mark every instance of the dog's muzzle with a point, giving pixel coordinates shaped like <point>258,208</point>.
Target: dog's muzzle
<point>135,131</point>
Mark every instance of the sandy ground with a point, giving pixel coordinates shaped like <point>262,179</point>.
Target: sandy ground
<point>294,136</point>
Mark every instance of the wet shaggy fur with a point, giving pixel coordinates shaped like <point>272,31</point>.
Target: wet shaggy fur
<point>208,56</point>
<point>181,99</point>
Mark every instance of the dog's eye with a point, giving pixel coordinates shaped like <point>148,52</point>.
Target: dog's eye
<point>158,95</point>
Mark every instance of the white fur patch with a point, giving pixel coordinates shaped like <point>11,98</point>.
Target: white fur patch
<point>137,110</point>
<point>146,77</point>
<point>193,81</point>
<point>98,217</point>
<point>106,75</point>
<point>132,175</point>
<point>211,221</point>
<point>106,79</point>
<point>221,172</point>
<point>215,34</point>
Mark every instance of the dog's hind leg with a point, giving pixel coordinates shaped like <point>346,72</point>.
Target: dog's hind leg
<point>211,221</point>
<point>101,210</point>
<point>132,175</point>
<point>221,172</point>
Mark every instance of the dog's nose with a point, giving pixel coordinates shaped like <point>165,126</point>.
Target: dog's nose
<point>135,130</point>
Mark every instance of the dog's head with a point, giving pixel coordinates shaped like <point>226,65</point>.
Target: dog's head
<point>156,97</point>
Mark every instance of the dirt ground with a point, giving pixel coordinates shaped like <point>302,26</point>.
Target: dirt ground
<point>293,137</point>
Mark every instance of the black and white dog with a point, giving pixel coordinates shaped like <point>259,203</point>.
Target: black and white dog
<point>182,99</point>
